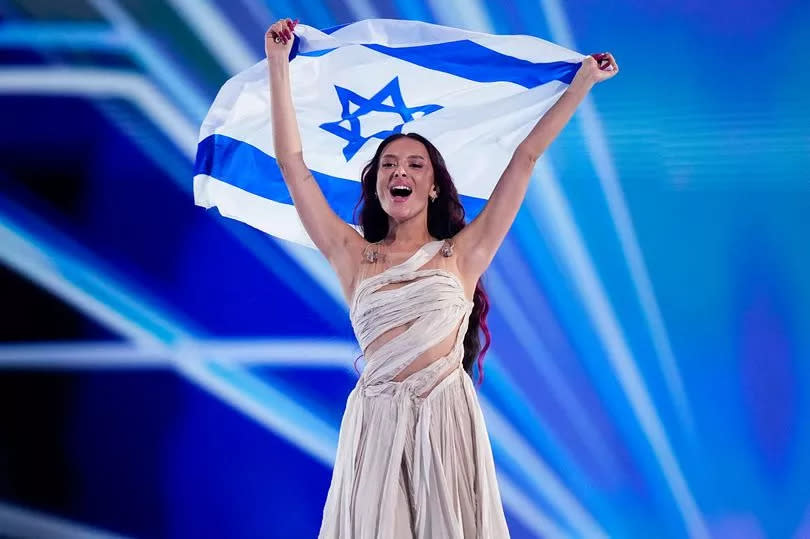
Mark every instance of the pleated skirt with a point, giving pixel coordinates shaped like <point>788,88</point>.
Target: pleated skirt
<point>414,467</point>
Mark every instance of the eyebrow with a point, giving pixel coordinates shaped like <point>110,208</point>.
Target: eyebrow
<point>409,157</point>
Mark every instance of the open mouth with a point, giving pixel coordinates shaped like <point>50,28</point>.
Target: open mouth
<point>400,192</point>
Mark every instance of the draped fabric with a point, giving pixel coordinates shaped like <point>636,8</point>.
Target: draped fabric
<point>413,458</point>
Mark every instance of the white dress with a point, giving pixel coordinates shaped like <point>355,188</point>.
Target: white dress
<point>413,458</point>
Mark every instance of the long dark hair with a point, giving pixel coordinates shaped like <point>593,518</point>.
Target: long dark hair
<point>445,218</point>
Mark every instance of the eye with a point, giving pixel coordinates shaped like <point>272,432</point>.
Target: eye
<point>386,165</point>
<point>416,165</point>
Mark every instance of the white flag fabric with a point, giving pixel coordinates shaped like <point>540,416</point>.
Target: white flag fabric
<point>475,96</point>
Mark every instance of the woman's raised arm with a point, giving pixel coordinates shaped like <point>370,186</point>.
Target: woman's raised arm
<point>479,241</point>
<point>335,238</point>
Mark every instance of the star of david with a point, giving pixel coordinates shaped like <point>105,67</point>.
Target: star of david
<point>353,136</point>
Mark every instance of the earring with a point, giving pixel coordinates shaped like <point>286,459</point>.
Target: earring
<point>434,195</point>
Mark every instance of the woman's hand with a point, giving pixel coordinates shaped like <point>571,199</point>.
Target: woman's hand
<point>595,68</point>
<point>279,38</point>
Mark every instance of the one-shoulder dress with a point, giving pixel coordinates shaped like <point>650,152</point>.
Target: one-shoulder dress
<point>414,457</point>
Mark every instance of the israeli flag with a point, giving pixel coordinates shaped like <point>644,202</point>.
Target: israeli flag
<point>475,96</point>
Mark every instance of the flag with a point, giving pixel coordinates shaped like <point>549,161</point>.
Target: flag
<point>474,95</point>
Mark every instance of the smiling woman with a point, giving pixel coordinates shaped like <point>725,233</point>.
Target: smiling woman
<point>413,459</point>
<point>400,187</point>
<point>404,169</point>
<point>402,184</point>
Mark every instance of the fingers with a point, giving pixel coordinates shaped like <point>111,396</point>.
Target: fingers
<point>606,64</point>
<point>282,31</point>
<point>612,65</point>
<point>602,59</point>
<point>279,31</point>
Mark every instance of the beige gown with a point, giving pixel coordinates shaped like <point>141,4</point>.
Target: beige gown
<point>413,458</point>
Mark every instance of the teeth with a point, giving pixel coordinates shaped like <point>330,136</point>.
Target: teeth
<point>400,190</point>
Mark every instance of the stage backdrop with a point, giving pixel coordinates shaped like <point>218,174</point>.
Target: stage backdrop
<point>169,373</point>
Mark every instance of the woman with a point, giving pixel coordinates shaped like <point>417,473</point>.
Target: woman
<point>413,456</point>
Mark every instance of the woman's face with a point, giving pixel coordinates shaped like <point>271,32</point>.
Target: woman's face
<point>404,179</point>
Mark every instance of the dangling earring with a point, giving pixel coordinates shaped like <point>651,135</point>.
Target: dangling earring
<point>434,195</point>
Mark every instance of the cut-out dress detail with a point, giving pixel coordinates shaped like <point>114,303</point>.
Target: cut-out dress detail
<point>414,458</point>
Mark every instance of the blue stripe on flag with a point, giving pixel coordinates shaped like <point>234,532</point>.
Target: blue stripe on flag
<point>475,62</point>
<point>472,61</point>
<point>333,29</point>
<point>246,167</point>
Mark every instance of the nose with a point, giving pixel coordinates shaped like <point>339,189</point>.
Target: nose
<point>399,171</point>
